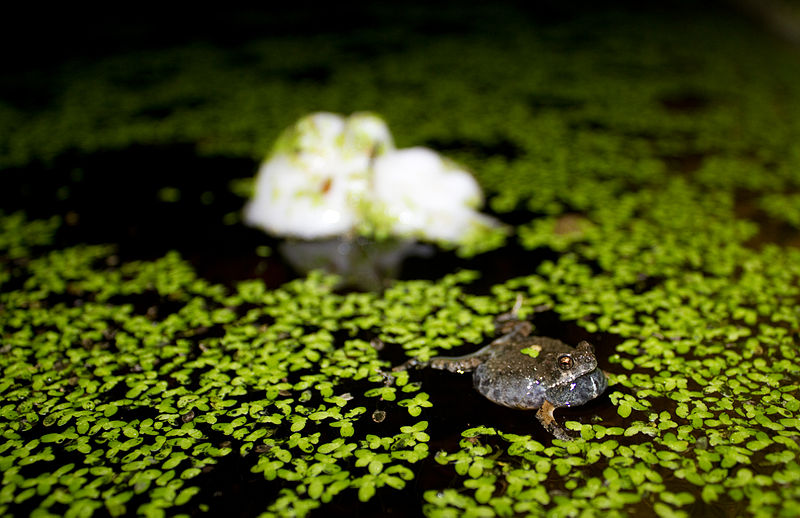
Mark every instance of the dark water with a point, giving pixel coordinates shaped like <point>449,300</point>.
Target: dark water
<point>113,197</point>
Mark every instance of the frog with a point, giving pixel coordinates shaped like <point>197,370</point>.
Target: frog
<point>527,372</point>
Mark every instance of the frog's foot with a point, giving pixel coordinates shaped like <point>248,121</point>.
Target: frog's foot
<point>512,330</point>
<point>509,325</point>
<point>505,322</point>
<point>512,315</point>
<point>545,416</point>
<point>389,377</point>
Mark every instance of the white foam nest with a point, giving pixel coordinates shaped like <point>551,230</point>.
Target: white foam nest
<point>329,175</point>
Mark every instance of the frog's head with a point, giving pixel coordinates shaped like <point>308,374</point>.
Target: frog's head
<point>574,376</point>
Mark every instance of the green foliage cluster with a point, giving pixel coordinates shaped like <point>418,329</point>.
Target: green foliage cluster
<point>654,167</point>
<point>19,236</point>
<point>705,379</point>
<point>110,402</point>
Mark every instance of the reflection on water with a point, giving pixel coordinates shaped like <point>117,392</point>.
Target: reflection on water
<point>361,263</point>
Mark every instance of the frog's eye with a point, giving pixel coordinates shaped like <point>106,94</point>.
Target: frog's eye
<point>565,362</point>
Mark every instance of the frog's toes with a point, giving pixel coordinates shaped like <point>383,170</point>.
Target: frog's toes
<point>548,420</point>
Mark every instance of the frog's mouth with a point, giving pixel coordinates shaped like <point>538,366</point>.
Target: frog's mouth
<point>580,390</point>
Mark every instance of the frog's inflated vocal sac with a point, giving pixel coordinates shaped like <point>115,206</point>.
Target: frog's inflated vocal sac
<point>529,372</point>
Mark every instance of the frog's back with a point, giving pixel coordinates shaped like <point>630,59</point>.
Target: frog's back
<point>513,379</point>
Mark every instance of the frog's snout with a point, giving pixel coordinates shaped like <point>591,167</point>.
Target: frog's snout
<point>585,346</point>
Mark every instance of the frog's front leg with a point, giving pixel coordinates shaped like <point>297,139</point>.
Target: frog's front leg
<point>548,420</point>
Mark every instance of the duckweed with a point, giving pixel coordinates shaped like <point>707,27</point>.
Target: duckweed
<point>652,179</point>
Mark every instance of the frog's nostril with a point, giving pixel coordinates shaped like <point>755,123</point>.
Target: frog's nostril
<point>565,362</point>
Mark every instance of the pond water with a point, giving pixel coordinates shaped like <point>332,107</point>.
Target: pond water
<point>161,358</point>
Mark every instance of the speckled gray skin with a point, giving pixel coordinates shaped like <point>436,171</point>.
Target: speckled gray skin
<point>559,376</point>
<point>513,379</point>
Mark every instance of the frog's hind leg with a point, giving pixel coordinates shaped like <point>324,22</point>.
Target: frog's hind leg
<point>548,420</point>
<point>470,362</point>
<point>413,363</point>
<point>459,364</point>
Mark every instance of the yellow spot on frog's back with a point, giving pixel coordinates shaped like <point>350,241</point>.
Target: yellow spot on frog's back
<point>532,351</point>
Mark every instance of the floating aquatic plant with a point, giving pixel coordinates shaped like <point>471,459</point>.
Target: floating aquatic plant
<point>650,181</point>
